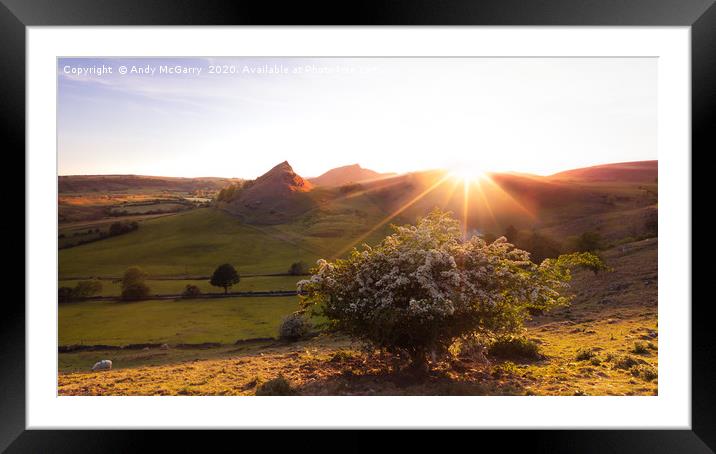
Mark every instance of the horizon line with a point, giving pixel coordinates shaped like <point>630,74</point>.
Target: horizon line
<point>347,165</point>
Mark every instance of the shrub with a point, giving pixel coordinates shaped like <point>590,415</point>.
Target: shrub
<point>505,369</point>
<point>191,291</point>
<point>471,347</point>
<point>294,327</point>
<point>640,348</point>
<point>135,292</point>
<point>651,224</point>
<point>298,268</point>
<point>342,356</point>
<point>119,228</point>
<point>540,246</point>
<point>84,289</point>
<point>625,362</point>
<point>644,371</point>
<point>64,294</point>
<point>585,354</point>
<point>133,285</point>
<point>425,286</point>
<point>588,242</point>
<point>514,347</point>
<point>278,386</point>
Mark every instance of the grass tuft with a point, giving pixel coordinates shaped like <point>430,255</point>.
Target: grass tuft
<point>514,348</point>
<point>278,386</point>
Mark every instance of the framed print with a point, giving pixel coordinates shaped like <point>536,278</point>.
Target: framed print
<point>445,217</point>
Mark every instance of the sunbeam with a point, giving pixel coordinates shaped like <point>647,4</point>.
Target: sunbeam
<point>488,180</point>
<point>391,216</point>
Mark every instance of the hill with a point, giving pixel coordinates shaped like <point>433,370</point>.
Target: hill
<point>275,197</point>
<point>638,171</point>
<point>347,174</point>
<point>195,242</point>
<point>492,202</point>
<point>295,222</point>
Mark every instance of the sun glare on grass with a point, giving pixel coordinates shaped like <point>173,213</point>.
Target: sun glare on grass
<point>470,176</point>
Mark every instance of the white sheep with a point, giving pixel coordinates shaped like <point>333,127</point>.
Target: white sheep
<point>105,364</point>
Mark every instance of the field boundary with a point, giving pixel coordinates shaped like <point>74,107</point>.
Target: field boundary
<point>175,278</point>
<point>71,348</point>
<point>174,296</point>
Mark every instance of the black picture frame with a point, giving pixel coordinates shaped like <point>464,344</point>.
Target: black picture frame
<point>700,15</point>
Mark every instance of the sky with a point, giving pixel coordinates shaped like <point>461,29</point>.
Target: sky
<point>172,117</point>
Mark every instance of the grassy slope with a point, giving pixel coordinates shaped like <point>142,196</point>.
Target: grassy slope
<point>223,320</point>
<point>611,312</point>
<point>197,241</point>
<point>194,242</point>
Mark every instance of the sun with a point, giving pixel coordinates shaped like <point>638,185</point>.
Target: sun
<point>467,173</point>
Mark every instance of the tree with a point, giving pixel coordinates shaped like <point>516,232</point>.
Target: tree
<point>298,268</point>
<point>133,285</point>
<point>511,233</point>
<point>588,242</point>
<point>85,289</point>
<point>118,228</point>
<point>64,294</point>
<point>225,276</point>
<point>540,246</point>
<point>424,286</point>
<point>651,223</point>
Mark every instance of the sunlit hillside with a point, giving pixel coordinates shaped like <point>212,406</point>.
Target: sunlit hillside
<point>273,229</point>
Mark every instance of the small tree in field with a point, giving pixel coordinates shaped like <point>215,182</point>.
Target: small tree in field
<point>133,285</point>
<point>423,287</point>
<point>588,242</point>
<point>191,291</point>
<point>225,276</point>
<point>298,268</point>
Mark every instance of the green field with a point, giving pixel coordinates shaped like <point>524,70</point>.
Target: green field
<point>197,241</point>
<point>176,286</point>
<point>224,320</point>
<point>194,242</point>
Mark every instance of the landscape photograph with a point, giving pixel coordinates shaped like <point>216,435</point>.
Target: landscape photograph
<point>290,226</point>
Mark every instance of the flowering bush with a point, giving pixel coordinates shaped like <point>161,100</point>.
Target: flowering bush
<point>424,286</point>
<point>294,327</point>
